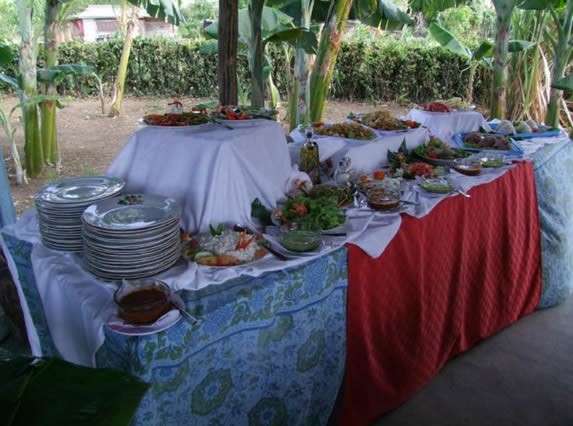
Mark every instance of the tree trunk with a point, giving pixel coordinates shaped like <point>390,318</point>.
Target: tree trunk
<point>227,65</point>
<point>560,62</point>
<point>298,102</point>
<point>328,49</point>
<point>503,9</point>
<point>34,157</point>
<point>255,46</point>
<point>48,107</point>
<point>119,88</point>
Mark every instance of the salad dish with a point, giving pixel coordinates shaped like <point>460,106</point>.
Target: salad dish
<point>438,153</point>
<point>316,213</point>
<point>342,193</point>
<point>436,186</point>
<point>378,180</point>
<point>243,112</point>
<point>344,130</point>
<point>405,164</point>
<point>382,120</point>
<point>176,119</point>
<point>223,247</point>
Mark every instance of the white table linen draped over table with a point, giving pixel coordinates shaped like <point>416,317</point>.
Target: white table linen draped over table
<point>444,125</point>
<point>212,172</point>
<point>77,304</point>
<point>366,156</point>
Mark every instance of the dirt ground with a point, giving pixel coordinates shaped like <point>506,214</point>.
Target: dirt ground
<point>89,140</point>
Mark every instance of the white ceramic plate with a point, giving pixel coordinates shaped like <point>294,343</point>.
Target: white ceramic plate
<point>80,190</point>
<point>131,212</point>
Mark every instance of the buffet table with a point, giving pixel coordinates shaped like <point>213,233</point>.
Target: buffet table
<point>446,281</point>
<point>270,343</point>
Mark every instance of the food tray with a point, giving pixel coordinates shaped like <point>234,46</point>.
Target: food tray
<point>517,150</point>
<point>548,132</point>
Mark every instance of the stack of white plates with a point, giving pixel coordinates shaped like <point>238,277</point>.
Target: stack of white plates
<point>60,206</point>
<point>131,236</point>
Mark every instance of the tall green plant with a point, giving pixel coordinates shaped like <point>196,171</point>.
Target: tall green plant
<point>503,11</point>
<point>33,144</point>
<point>275,27</point>
<point>165,10</point>
<point>48,108</point>
<point>561,12</point>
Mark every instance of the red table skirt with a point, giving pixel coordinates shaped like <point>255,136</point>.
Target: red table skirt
<point>462,273</point>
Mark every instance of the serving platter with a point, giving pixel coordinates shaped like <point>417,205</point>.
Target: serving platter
<point>224,250</point>
<point>183,119</point>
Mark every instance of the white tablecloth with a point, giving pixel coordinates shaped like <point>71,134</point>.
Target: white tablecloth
<point>444,125</point>
<point>366,156</point>
<point>208,168</point>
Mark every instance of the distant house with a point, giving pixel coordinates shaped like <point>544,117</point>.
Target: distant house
<point>99,22</point>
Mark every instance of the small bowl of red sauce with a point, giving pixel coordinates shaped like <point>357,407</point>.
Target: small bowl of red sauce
<point>469,166</point>
<point>142,302</point>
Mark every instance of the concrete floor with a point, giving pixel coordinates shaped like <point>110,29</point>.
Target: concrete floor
<point>522,376</point>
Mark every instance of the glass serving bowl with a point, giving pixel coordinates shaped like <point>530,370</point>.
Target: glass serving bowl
<point>383,200</point>
<point>492,160</point>
<point>438,185</point>
<point>143,301</point>
<point>470,166</point>
<point>295,237</point>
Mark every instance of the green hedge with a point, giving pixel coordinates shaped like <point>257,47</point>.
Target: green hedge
<point>388,71</point>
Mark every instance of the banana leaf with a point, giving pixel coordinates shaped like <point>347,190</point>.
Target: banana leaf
<point>48,392</point>
<point>58,72</point>
<point>449,41</point>
<point>565,83</point>
<point>161,9</point>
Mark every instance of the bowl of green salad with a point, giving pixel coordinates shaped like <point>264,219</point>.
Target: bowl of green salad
<point>300,238</point>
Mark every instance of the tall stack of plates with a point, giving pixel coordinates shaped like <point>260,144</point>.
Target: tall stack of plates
<point>131,236</point>
<point>60,206</point>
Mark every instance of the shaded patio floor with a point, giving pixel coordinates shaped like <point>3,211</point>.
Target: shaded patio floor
<point>523,376</point>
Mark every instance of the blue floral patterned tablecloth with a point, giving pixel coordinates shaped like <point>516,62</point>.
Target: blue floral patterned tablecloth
<point>266,351</point>
<point>553,166</point>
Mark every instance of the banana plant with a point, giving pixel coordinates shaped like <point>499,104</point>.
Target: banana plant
<point>480,56</point>
<point>503,10</point>
<point>562,13</point>
<point>46,76</point>
<point>52,19</point>
<point>163,10</point>
<point>34,155</point>
<point>275,27</point>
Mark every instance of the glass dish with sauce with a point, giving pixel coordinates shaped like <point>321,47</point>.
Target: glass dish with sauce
<point>142,302</point>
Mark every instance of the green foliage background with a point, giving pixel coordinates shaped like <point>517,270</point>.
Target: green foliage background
<point>391,70</point>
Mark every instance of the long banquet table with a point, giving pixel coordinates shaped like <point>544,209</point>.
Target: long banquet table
<point>272,347</point>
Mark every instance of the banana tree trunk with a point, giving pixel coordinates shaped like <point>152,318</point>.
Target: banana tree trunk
<point>328,49</point>
<point>503,10</point>
<point>34,157</point>
<point>255,46</point>
<point>227,58</point>
<point>298,102</point>
<point>561,60</point>
<point>48,107</point>
<point>119,87</point>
